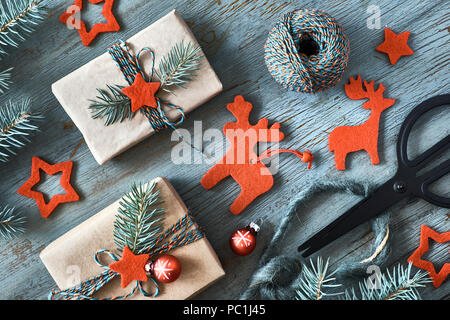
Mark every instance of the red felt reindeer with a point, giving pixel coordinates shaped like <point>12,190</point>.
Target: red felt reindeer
<point>241,162</point>
<point>346,139</point>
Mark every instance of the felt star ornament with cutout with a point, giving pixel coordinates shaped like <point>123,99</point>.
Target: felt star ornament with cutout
<point>416,258</point>
<point>88,36</point>
<point>47,208</point>
<point>131,267</point>
<point>395,45</point>
<point>142,93</point>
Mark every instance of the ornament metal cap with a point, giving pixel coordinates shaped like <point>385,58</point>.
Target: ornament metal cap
<point>254,226</point>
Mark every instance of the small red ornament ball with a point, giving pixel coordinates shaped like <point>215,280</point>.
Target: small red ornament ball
<point>243,241</point>
<point>166,268</point>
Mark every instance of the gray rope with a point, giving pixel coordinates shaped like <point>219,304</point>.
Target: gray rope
<point>277,275</point>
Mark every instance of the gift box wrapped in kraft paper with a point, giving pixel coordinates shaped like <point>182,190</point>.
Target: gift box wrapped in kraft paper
<point>76,90</point>
<point>70,258</point>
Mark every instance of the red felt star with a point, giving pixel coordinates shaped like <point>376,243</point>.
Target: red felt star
<point>47,208</point>
<point>416,257</point>
<point>142,93</point>
<point>87,37</point>
<point>131,267</point>
<point>395,45</point>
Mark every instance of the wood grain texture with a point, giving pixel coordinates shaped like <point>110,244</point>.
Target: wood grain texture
<point>232,34</point>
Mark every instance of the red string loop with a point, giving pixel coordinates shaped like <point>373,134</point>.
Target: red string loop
<point>306,156</point>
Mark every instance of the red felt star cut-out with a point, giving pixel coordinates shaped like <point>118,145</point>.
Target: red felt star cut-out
<point>142,93</point>
<point>131,267</point>
<point>395,45</point>
<point>87,37</point>
<point>47,208</point>
<point>416,258</point>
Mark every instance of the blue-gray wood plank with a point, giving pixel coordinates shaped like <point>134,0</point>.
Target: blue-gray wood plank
<point>232,34</point>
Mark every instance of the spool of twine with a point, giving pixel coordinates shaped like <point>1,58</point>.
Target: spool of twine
<point>307,51</point>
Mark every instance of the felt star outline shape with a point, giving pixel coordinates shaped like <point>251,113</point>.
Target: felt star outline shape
<point>395,45</point>
<point>142,93</point>
<point>47,208</point>
<point>88,36</point>
<point>416,258</point>
<point>131,267</point>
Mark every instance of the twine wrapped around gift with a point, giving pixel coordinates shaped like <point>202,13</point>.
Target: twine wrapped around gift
<point>152,243</point>
<point>130,68</point>
<point>175,70</point>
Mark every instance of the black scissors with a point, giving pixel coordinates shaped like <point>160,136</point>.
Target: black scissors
<point>407,181</point>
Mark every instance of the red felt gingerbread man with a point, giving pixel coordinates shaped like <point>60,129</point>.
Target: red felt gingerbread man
<point>241,162</point>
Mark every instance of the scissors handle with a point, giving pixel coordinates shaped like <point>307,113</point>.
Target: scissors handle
<point>384,197</point>
<point>419,184</point>
<point>431,177</point>
<point>426,157</point>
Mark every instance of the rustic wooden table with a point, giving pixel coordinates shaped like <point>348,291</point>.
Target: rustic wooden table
<point>232,34</point>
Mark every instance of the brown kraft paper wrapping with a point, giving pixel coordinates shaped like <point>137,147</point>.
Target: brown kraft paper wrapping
<point>74,252</point>
<point>76,89</point>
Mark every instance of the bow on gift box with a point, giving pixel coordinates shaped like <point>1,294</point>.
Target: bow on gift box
<point>120,103</point>
<point>138,233</point>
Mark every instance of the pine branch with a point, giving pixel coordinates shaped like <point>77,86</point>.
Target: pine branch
<point>178,67</point>
<point>315,281</point>
<point>396,286</point>
<point>11,223</point>
<point>16,124</point>
<point>113,105</point>
<point>17,19</point>
<point>5,81</point>
<point>138,222</point>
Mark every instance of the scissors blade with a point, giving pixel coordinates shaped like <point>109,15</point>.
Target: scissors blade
<point>383,198</point>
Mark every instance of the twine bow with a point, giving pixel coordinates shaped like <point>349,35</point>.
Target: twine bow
<point>130,67</point>
<point>179,235</point>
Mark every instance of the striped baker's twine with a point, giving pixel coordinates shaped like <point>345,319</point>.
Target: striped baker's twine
<point>177,235</point>
<point>314,69</point>
<point>130,67</point>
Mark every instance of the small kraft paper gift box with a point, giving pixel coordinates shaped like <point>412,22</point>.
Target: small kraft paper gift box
<point>76,91</point>
<point>70,258</point>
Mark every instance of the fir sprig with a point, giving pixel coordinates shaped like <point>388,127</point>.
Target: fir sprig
<point>113,105</point>
<point>11,223</point>
<point>396,286</point>
<point>315,282</point>
<point>17,19</point>
<point>139,219</point>
<point>16,124</point>
<point>5,80</point>
<point>178,67</point>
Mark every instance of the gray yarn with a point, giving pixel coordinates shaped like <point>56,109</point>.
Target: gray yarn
<point>358,269</point>
<point>277,275</point>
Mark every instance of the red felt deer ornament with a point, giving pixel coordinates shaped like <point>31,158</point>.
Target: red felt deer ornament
<point>241,162</point>
<point>346,139</point>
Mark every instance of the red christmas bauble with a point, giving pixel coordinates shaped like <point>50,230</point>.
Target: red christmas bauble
<point>166,268</point>
<point>243,241</point>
